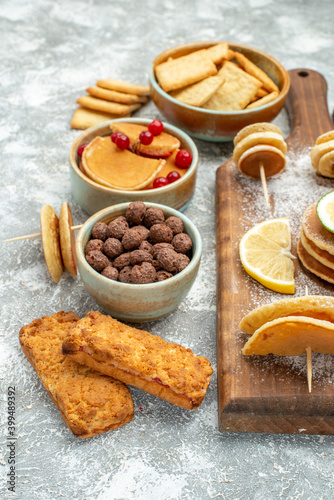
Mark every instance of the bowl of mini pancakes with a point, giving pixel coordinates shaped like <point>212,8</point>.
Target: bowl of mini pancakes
<point>105,171</point>
<point>212,90</point>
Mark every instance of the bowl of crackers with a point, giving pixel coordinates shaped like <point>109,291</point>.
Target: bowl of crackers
<point>129,159</point>
<point>212,90</point>
<point>138,260</point>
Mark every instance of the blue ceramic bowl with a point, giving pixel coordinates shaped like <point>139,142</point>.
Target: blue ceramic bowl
<point>144,302</point>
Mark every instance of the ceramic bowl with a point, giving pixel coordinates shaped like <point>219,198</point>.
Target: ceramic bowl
<point>93,197</point>
<point>144,302</point>
<point>218,126</point>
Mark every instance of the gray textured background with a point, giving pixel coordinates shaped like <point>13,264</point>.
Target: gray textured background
<point>50,51</point>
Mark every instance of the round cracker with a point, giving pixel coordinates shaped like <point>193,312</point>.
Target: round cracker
<point>50,241</point>
<point>255,128</point>
<point>67,240</point>
<point>271,138</point>
<point>272,159</point>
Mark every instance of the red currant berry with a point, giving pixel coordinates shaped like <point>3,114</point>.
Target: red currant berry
<point>81,148</point>
<point>173,176</point>
<point>122,141</point>
<point>156,127</point>
<point>114,136</point>
<point>146,137</point>
<point>183,158</point>
<point>160,182</point>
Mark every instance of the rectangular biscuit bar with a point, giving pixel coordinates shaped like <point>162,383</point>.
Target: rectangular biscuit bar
<point>89,402</point>
<point>167,370</point>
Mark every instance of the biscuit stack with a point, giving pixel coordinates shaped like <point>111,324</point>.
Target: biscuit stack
<point>316,246</point>
<point>108,100</point>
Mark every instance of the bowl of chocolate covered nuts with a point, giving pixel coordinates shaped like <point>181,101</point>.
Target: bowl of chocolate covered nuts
<point>138,260</point>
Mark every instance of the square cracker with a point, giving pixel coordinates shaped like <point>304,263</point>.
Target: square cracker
<point>218,52</point>
<point>107,106</point>
<point>185,70</point>
<point>263,100</point>
<point>198,93</point>
<point>237,91</point>
<point>255,71</point>
<point>84,118</point>
<point>115,96</point>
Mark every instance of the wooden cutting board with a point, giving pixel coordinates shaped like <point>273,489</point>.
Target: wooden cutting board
<point>268,393</point>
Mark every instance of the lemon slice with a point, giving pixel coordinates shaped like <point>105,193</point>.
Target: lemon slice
<point>265,255</point>
<point>325,211</point>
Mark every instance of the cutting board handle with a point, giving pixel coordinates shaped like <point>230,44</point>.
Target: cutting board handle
<point>307,107</point>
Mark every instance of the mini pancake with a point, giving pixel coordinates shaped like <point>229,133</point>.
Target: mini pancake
<point>313,265</point>
<point>272,159</point>
<point>326,165</point>
<point>322,256</point>
<point>67,239</point>
<point>311,306</point>
<point>270,138</point>
<point>254,128</point>
<point>168,167</point>
<point>327,136</point>
<point>318,151</point>
<point>117,168</point>
<point>316,232</point>
<point>291,336</point>
<point>162,145</point>
<point>50,241</point>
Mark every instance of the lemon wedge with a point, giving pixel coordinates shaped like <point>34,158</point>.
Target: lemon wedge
<point>325,211</point>
<point>265,255</point>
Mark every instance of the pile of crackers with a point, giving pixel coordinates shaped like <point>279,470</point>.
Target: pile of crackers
<point>107,100</point>
<point>216,78</point>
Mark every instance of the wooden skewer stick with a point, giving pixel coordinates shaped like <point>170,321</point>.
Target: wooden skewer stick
<point>36,235</point>
<point>264,183</point>
<point>309,368</point>
<point>309,359</point>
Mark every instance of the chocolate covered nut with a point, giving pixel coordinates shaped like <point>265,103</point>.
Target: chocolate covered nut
<point>156,264</point>
<point>132,239</point>
<point>99,231</point>
<point>122,260</point>
<point>163,275</point>
<point>176,224</point>
<point>145,273</point>
<point>93,245</point>
<point>153,216</point>
<point>135,213</point>
<point>145,245</point>
<point>139,256</point>
<point>167,259</point>
<point>112,247</point>
<point>117,227</point>
<point>125,274</point>
<point>182,243</point>
<point>182,261</point>
<point>160,233</point>
<point>110,272</point>
<point>159,246</point>
<point>97,260</point>
<point>144,231</point>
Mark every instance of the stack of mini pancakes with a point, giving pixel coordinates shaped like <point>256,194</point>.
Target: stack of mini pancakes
<point>316,246</point>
